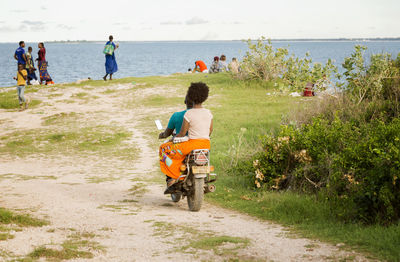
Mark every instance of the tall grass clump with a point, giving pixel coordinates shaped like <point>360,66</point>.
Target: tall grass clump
<point>346,150</point>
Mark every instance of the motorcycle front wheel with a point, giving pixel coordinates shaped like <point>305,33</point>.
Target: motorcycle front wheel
<point>195,197</point>
<point>176,197</point>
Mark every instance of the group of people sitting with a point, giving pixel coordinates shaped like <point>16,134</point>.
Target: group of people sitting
<point>195,123</point>
<point>218,65</point>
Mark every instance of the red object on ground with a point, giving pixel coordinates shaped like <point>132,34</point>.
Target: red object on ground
<point>308,92</point>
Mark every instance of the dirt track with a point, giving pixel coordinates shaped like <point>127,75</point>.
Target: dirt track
<point>118,205</point>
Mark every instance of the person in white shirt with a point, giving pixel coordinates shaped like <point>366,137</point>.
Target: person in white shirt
<point>198,123</point>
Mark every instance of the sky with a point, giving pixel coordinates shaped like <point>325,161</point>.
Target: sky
<point>156,20</point>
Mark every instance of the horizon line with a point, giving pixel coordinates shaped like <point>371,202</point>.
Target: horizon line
<point>234,40</point>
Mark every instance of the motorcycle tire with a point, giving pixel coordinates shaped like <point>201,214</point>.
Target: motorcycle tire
<point>195,198</point>
<point>176,197</point>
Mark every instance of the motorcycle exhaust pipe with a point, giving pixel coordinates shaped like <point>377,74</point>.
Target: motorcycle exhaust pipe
<point>209,189</point>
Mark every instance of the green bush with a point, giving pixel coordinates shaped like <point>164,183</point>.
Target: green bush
<point>355,168</point>
<point>347,149</point>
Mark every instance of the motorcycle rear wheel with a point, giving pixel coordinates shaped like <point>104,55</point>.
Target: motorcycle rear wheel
<point>195,198</point>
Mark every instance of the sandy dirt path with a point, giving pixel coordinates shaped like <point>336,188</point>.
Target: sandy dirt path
<point>118,205</point>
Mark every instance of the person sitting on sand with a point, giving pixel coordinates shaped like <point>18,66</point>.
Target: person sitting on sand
<point>214,68</point>
<point>198,123</point>
<point>223,66</point>
<point>21,82</point>
<point>176,120</point>
<point>200,66</point>
<point>111,63</point>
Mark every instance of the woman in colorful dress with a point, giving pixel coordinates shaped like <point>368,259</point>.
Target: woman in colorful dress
<point>198,123</point>
<point>111,63</point>
<point>42,64</point>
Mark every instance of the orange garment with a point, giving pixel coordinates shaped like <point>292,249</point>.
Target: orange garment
<point>201,65</point>
<point>172,155</point>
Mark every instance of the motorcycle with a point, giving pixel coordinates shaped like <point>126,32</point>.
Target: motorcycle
<point>195,179</point>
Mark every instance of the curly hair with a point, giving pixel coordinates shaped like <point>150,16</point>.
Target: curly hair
<point>197,92</point>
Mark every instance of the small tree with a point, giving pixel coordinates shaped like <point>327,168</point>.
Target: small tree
<point>262,61</point>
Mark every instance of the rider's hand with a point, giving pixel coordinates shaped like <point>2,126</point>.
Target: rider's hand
<point>161,135</point>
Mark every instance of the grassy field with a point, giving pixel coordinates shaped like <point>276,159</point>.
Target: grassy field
<point>244,112</point>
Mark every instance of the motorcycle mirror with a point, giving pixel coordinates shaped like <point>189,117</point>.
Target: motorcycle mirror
<point>158,124</point>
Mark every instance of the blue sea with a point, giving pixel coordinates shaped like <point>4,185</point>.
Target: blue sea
<point>69,62</point>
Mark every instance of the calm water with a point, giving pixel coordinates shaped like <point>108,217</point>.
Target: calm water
<point>70,62</point>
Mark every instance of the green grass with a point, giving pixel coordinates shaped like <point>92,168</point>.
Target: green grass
<point>105,139</point>
<point>215,242</point>
<point>241,115</point>
<point>9,100</point>
<point>24,177</point>
<point>6,236</point>
<point>61,118</point>
<point>23,220</point>
<point>160,101</point>
<point>243,112</point>
<point>77,246</point>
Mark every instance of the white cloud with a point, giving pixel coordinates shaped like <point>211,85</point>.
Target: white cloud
<point>19,11</point>
<point>120,24</point>
<point>196,21</point>
<point>241,21</point>
<point>7,29</point>
<point>171,23</point>
<point>210,36</point>
<point>34,26</point>
<point>65,27</point>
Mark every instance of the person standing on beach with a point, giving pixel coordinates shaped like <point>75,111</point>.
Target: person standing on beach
<point>42,64</point>
<point>111,63</point>
<point>21,82</point>
<point>19,54</point>
<point>30,66</point>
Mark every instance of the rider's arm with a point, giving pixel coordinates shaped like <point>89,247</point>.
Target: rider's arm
<point>184,129</point>
<point>211,127</point>
<point>167,132</point>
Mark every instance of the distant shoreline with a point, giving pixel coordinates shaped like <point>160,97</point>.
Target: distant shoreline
<point>188,41</point>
